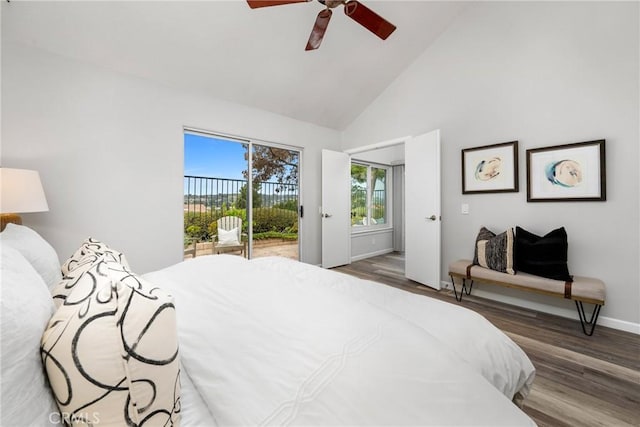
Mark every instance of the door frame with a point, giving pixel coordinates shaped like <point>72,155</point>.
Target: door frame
<point>377,145</point>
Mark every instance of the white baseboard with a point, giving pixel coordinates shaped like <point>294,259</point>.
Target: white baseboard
<point>371,254</point>
<point>621,325</point>
<point>610,322</point>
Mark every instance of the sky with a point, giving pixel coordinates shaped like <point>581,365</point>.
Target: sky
<point>213,158</point>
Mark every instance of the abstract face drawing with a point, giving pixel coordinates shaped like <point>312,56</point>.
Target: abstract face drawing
<point>488,169</point>
<point>565,173</point>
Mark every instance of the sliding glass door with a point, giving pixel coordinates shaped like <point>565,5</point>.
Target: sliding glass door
<point>229,210</point>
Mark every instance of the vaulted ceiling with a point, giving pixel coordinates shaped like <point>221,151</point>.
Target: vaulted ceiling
<point>224,49</point>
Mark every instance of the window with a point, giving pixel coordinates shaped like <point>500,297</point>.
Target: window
<point>369,195</point>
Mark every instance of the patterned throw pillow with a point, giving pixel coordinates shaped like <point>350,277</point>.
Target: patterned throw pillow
<point>110,351</point>
<point>495,252</point>
<point>74,268</point>
<point>544,256</point>
<point>483,234</point>
<point>61,291</point>
<point>89,247</point>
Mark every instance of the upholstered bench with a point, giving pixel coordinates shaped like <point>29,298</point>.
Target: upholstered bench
<point>581,290</point>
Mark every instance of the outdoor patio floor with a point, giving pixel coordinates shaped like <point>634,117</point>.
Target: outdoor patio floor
<point>287,249</point>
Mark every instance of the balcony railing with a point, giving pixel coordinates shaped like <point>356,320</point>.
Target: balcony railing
<point>275,205</point>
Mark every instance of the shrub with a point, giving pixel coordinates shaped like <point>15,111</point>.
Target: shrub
<point>196,224</point>
<point>290,205</point>
<point>275,235</point>
<point>203,226</point>
<point>273,219</point>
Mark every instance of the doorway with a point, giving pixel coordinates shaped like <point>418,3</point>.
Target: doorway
<point>383,231</point>
<point>419,232</point>
<point>250,185</point>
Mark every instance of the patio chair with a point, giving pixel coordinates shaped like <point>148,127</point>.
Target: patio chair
<point>190,247</point>
<point>230,236</point>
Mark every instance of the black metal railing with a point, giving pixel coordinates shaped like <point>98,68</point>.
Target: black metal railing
<point>218,193</point>
<point>275,205</point>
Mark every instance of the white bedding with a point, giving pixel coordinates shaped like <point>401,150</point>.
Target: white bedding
<point>276,342</point>
<point>472,337</point>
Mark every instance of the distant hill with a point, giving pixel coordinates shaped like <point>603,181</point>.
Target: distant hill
<point>192,202</point>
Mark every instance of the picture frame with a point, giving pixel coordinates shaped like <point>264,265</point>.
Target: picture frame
<point>490,168</point>
<point>567,173</point>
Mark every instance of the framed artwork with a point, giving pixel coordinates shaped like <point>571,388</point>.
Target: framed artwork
<point>490,168</point>
<point>567,173</point>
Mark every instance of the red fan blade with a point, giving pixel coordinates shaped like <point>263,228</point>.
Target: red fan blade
<point>317,33</point>
<point>369,19</point>
<point>264,3</point>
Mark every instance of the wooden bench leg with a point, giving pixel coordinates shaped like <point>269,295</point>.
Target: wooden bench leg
<point>464,288</point>
<point>583,318</point>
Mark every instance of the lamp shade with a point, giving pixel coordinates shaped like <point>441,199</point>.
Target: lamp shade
<point>21,191</point>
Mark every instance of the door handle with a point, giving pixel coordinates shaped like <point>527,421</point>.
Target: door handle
<point>432,218</point>
<point>326,215</point>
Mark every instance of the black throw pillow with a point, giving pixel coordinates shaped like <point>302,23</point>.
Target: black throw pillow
<point>544,256</point>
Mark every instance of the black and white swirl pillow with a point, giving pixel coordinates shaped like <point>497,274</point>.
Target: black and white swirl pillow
<point>93,247</point>
<point>111,351</point>
<point>83,259</point>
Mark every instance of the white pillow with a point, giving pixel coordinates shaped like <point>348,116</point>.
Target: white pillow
<point>228,238</point>
<point>26,307</point>
<point>36,250</point>
<point>111,350</point>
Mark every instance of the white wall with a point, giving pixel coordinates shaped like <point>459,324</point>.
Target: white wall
<point>109,149</point>
<point>543,73</point>
<point>366,244</point>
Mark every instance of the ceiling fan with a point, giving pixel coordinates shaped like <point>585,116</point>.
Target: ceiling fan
<point>352,8</point>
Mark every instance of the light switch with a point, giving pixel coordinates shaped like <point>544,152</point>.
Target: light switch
<point>465,209</point>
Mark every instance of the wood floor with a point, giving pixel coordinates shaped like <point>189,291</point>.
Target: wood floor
<point>580,380</point>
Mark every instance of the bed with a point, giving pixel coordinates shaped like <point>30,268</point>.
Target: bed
<point>272,341</point>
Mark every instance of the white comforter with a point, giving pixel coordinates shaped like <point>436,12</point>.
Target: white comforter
<point>276,342</point>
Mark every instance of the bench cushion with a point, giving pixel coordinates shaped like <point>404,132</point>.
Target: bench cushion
<point>582,289</point>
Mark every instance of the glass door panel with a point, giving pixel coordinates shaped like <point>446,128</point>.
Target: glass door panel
<point>214,202</point>
<point>276,201</point>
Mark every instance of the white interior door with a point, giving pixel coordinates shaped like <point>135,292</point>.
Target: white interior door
<point>336,209</point>
<point>422,209</point>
